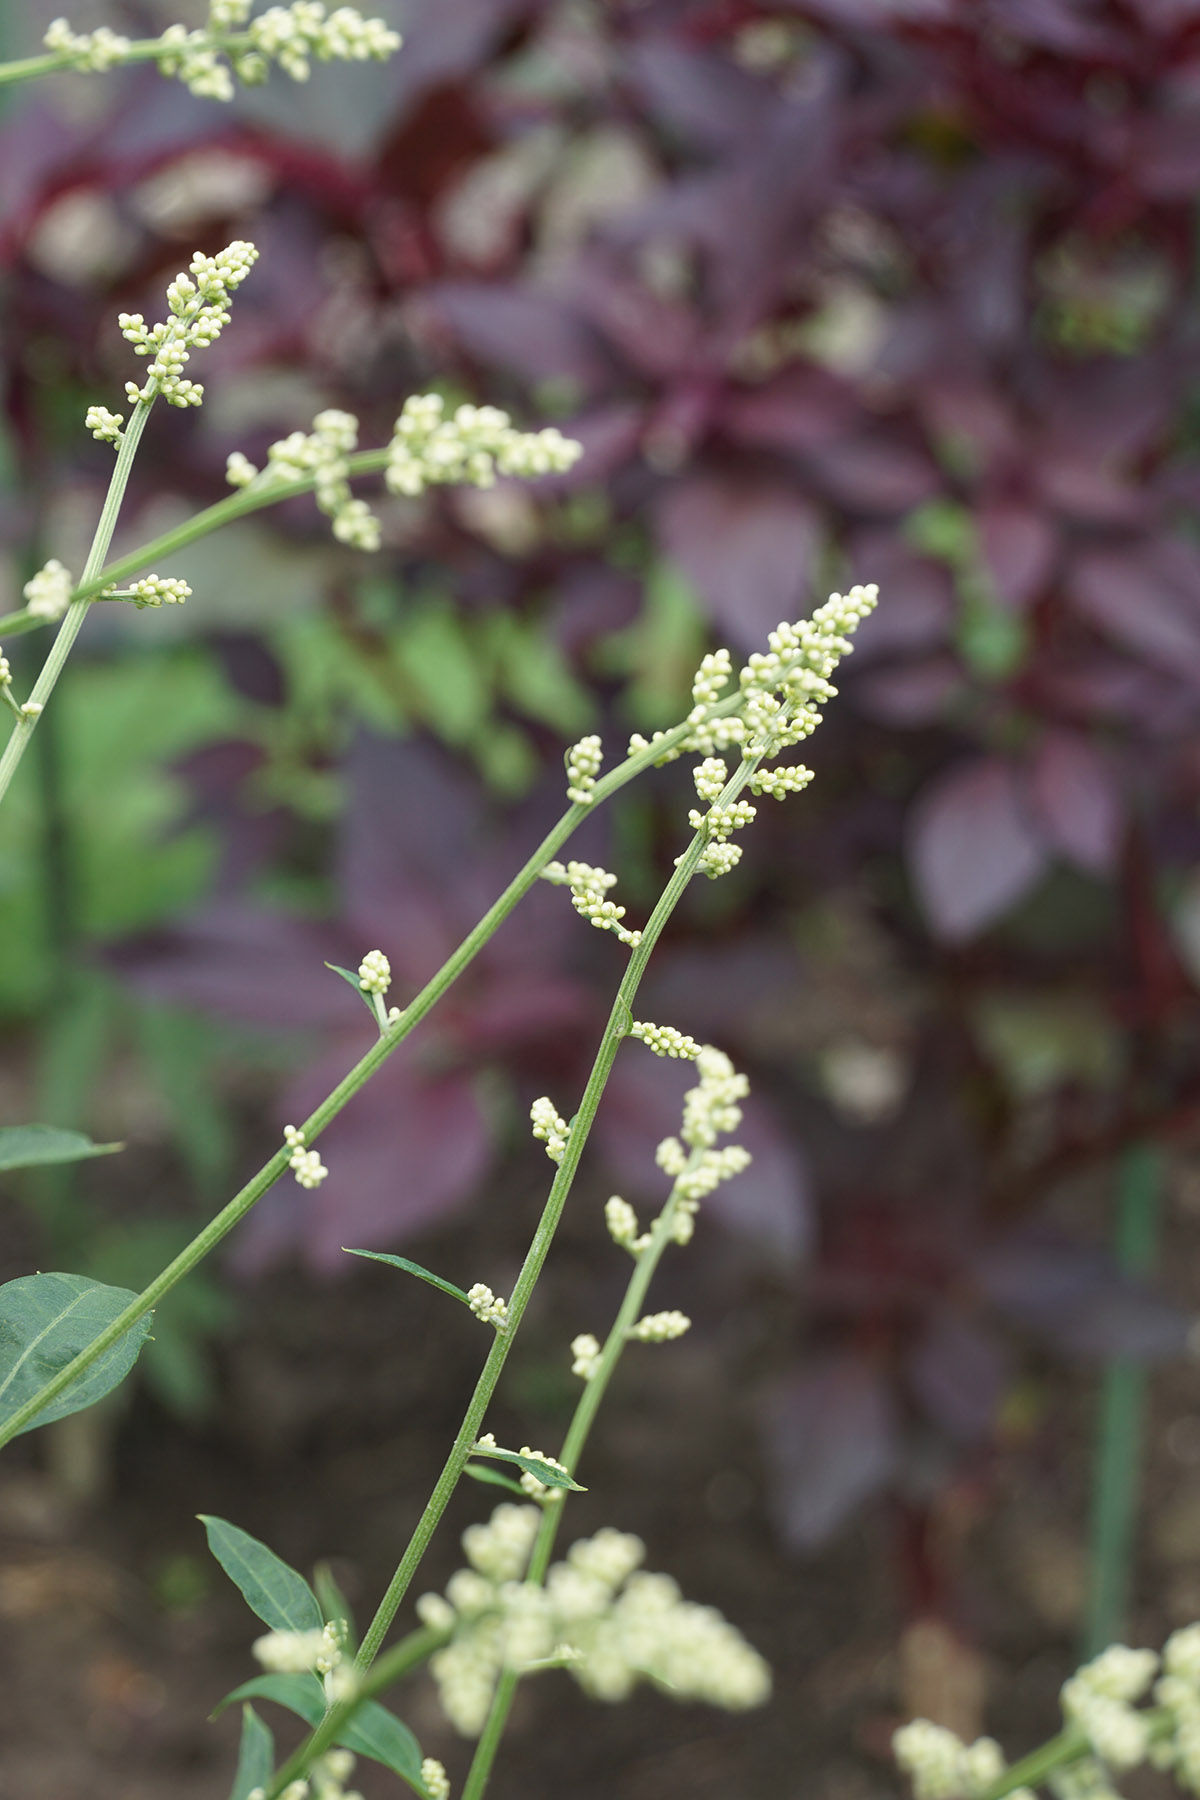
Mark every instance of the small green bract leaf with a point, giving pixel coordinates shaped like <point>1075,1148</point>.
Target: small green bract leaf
<point>271,1588</point>
<point>372,1731</point>
<point>412,1268</point>
<point>33,1146</point>
<point>256,1756</point>
<point>493,1478</point>
<point>533,1465</point>
<point>355,984</point>
<point>45,1321</point>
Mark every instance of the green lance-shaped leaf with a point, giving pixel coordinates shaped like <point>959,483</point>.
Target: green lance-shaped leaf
<point>372,1731</point>
<point>256,1756</point>
<point>271,1588</point>
<point>45,1321</point>
<point>493,1478</point>
<point>34,1146</point>
<point>412,1268</point>
<point>355,983</point>
<point>532,1465</point>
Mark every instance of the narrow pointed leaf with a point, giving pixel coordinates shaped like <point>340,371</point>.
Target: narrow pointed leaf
<point>372,1731</point>
<point>45,1321</point>
<point>354,982</point>
<point>412,1268</point>
<point>271,1588</point>
<point>256,1756</point>
<point>493,1478</point>
<point>533,1465</point>
<point>34,1146</point>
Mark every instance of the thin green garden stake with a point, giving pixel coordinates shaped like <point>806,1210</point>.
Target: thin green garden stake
<point>1116,1480</point>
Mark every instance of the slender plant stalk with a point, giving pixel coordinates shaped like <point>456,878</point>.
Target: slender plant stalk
<point>1117,1476</point>
<point>56,62</point>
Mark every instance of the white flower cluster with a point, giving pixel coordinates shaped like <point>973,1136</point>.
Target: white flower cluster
<point>583,765</point>
<point>151,590</point>
<point>103,424</point>
<point>1099,1699</point>
<point>48,593</point>
<point>375,973</point>
<point>585,1355</point>
<point>598,1614</point>
<point>486,1305</point>
<point>473,446</point>
<point>941,1767</point>
<point>660,1327</point>
<point>588,887</point>
<point>664,1040</point>
<point>297,1652</point>
<point>199,307</point>
<point>719,822</point>
<point>5,671</point>
<point>549,1127</point>
<point>287,35</point>
<point>435,1779</point>
<point>306,1165</point>
<point>326,1781</point>
<point>1178,1692</point>
<point>710,1110</point>
<point>319,456</point>
<point>623,1225</point>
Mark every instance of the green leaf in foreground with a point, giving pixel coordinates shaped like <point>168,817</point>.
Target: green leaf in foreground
<point>271,1588</point>
<point>493,1478</point>
<point>412,1268</point>
<point>373,1731</point>
<point>34,1146</point>
<point>256,1756</point>
<point>532,1465</point>
<point>45,1321</point>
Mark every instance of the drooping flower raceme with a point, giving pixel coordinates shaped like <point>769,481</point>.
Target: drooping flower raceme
<point>598,1615</point>
<point>232,46</point>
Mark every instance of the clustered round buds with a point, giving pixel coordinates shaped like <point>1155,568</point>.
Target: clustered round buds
<point>583,765</point>
<point>5,671</point>
<point>538,1490</point>
<point>588,887</point>
<point>151,590</point>
<point>319,456</point>
<point>326,1780</point>
<point>664,1040</point>
<point>306,1165</point>
<point>942,1767</point>
<point>778,783</point>
<point>199,307</point>
<point>375,973</point>
<point>696,1166</point>
<point>718,824</point>
<point>1098,1698</point>
<point>711,679</point>
<point>48,593</point>
<point>472,447</point>
<point>434,1778</point>
<point>486,1305</point>
<point>287,35</point>
<point>550,1128</point>
<point>598,1614</point>
<point>104,425</point>
<point>660,1328</point>
<point>623,1226</point>
<point>320,1651</point>
<point>585,1355</point>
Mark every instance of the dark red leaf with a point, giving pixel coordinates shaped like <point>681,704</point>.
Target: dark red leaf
<point>959,1372</point>
<point>748,550</point>
<point>530,332</point>
<point>1018,546</point>
<point>802,409</point>
<point>1125,594</point>
<point>829,1437</point>
<point>973,847</point>
<point>1077,800</point>
<point>876,474</point>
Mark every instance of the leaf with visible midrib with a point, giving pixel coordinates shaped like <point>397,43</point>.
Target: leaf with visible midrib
<point>34,1146</point>
<point>545,1472</point>
<point>45,1321</point>
<point>411,1268</point>
<point>271,1588</point>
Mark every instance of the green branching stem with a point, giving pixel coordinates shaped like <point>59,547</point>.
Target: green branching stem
<point>63,62</point>
<point>76,613</point>
<point>615,1031</point>
<point>661,1235</point>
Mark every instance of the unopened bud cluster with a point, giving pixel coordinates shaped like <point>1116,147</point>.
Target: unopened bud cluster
<point>105,425</point>
<point>151,590</point>
<point>660,1327</point>
<point>583,765</point>
<point>1099,1699</point>
<point>375,973</point>
<point>486,1305</point>
<point>550,1128</point>
<point>471,447</point>
<point>540,1490</point>
<point>664,1040</point>
<point>306,1165</point>
<point>710,1110</point>
<point>199,309</point>
<point>600,1616</point>
<point>585,1355</point>
<point>48,593</point>
<point>589,887</point>
<point>623,1226</point>
<point>233,46</point>
<point>941,1767</point>
<point>319,456</point>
